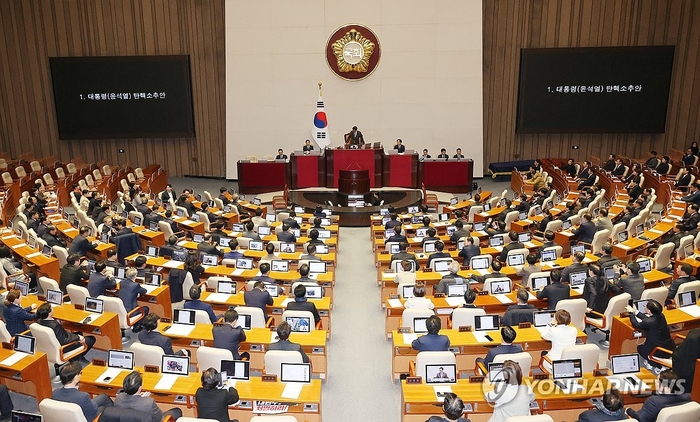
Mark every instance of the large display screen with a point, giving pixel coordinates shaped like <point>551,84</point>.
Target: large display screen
<point>122,97</point>
<point>594,90</point>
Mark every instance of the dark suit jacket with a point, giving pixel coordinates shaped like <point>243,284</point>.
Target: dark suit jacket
<point>213,404</point>
<point>146,405</point>
<point>554,293</point>
<point>154,338</point>
<point>675,284</point>
<point>618,170</point>
<point>99,284</point>
<point>129,292</point>
<point>657,333</point>
<point>437,255</point>
<point>72,274</point>
<point>288,345</point>
<point>64,337</point>
<point>53,240</point>
<point>585,231</point>
<point>396,238</point>
<point>291,223</point>
<point>405,255</point>
<point>515,314</point>
<point>286,237</point>
<point>468,252</point>
<point>229,338</point>
<point>635,192</point>
<point>575,267</point>
<point>431,342</point>
<point>391,224</point>
<point>653,405</point>
<point>302,304</point>
<point>15,316</point>
<point>509,247</point>
<point>692,221</point>
<point>202,306</point>
<point>209,249</point>
<point>259,299</point>
<point>503,349</point>
<point>692,197</point>
<point>597,415</point>
<point>632,284</point>
<point>81,398</point>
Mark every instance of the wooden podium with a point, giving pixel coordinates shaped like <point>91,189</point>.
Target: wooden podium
<point>353,182</point>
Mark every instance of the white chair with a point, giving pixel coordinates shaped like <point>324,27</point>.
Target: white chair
<point>165,227</point>
<point>126,319</point>
<point>617,229</point>
<point>615,307</point>
<point>211,357</point>
<point>689,412</point>
<point>534,418</point>
<point>275,358</point>
<point>659,294</point>
<point>184,211</point>
<point>134,214</point>
<point>187,283</point>
<point>145,354</point>
<point>201,317</point>
<point>61,254</point>
<point>524,359</point>
<point>465,317</point>
<point>204,219</point>
<point>410,314</point>
<point>61,411</point>
<point>405,278</point>
<point>431,358</point>
<point>47,342</point>
<point>257,317</point>
<point>577,310</point>
<point>489,281</point>
<point>20,172</point>
<point>243,242</point>
<point>510,217</point>
<point>588,353</point>
<point>4,334</point>
<point>558,249</point>
<point>599,239</point>
<point>97,176</point>
<point>662,257</point>
<point>686,287</point>
<point>71,168</point>
<point>77,294</point>
<point>60,173</point>
<point>300,314</point>
<point>404,285</point>
<point>475,209</point>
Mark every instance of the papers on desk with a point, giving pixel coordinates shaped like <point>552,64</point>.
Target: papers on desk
<point>692,310</point>
<point>93,317</point>
<point>218,297</point>
<point>395,303</point>
<point>149,288</point>
<point>667,220</point>
<point>180,330</point>
<point>292,390</point>
<point>389,275</point>
<point>417,239</point>
<point>109,375</point>
<point>273,337</point>
<point>238,271</point>
<point>409,337</point>
<point>286,302</point>
<point>455,301</point>
<point>621,383</point>
<point>408,227</point>
<point>527,221</point>
<point>172,264</point>
<point>656,231</point>
<point>498,248</point>
<point>529,245</point>
<point>14,358</point>
<point>441,390</point>
<point>181,243</point>
<point>480,336</point>
<point>12,236</point>
<point>483,272</point>
<point>166,382</point>
<point>503,298</point>
<point>19,245</point>
<point>32,255</point>
<point>542,329</point>
<point>187,222</point>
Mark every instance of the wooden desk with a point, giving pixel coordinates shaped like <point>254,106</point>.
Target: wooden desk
<point>419,401</point>
<point>45,266</point>
<point>633,247</point>
<point>466,348</point>
<point>452,175</point>
<point>257,340</point>
<point>30,375</point>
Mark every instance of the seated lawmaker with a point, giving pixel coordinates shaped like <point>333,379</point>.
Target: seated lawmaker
<point>197,304</point>
<point>521,311</point>
<point>470,250</point>
<point>213,402</point>
<point>403,255</point>
<point>453,408</point>
<point>495,272</point>
<point>506,347</point>
<point>451,278</point>
<point>418,301</point>
<point>668,393</point>
<point>301,303</point>
<point>283,332</point>
<point>527,270</point>
<point>610,408</point>
<point>229,335</point>
<point>70,375</point>
<point>439,252</point>
<point>555,291</point>
<point>514,244</point>
<point>100,281</point>
<point>133,397</point>
<point>433,341</point>
<point>45,314</point>
<point>152,337</point>
<point>396,236</point>
<point>561,333</point>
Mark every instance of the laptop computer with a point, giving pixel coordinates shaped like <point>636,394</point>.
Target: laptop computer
<point>46,251</point>
<point>479,226</point>
<point>516,259</point>
<point>454,200</point>
<point>488,322</point>
<point>264,230</point>
<point>456,290</point>
<point>323,234</point>
<point>179,255</point>
<point>238,370</point>
<point>443,373</point>
<point>420,325</point>
<point>549,255</point>
<point>19,416</point>
<point>578,248</point>
<point>522,215</point>
<point>175,365</point>
<point>198,238</point>
<point>244,263</point>
<point>624,369</point>
<point>153,226</point>
<point>622,237</point>
<point>412,210</point>
<point>295,372</point>
<point>541,319</point>
<point>442,265</point>
<point>226,286</point>
<point>54,297</point>
<point>208,259</point>
<point>237,228</point>
<point>297,232</point>
<point>443,216</point>
<point>224,242</point>
<point>407,291</point>
<point>565,373</point>
<point>137,220</point>
<point>299,210</point>
<point>495,372</point>
<point>272,289</point>
<point>480,263</point>
<point>23,287</point>
<point>286,247</point>
<point>270,218</point>
<point>539,283</point>
<point>317,267</point>
<point>422,232</point>
<point>121,359</point>
<point>394,248</point>
<point>524,237</point>
<point>500,287</point>
<point>687,299</point>
<point>314,292</point>
<point>24,344</point>
<point>151,279</point>
<point>299,324</point>
<point>195,218</point>
<point>428,247</point>
<point>451,230</point>
<point>257,201</point>
<point>641,305</point>
<point>566,224</point>
<point>644,265</point>
<point>151,251</point>
<point>279,265</point>
<point>255,245</point>
<point>496,241</point>
<point>322,249</point>
<point>577,280</point>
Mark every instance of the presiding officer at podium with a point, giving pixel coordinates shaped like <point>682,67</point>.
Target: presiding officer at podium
<point>354,139</point>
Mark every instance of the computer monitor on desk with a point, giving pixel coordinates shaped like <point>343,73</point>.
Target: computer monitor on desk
<point>644,265</point>
<point>687,299</point>
<point>516,259</point>
<point>295,372</point>
<point>549,255</point>
<point>487,322</point>
<point>480,263</point>
<point>120,359</point>
<point>578,248</point>
<point>226,286</point>
<point>495,241</point>
<point>443,373</point>
<point>419,325</point>
<point>578,279</point>
<point>238,370</point>
<point>176,365</point>
<point>539,283</point>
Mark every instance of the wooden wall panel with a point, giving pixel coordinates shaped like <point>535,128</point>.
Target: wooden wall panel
<point>511,25</point>
<point>34,30</point>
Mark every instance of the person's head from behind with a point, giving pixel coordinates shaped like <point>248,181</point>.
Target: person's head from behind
<point>555,276</point>
<point>313,234</point>
<point>259,285</point>
<point>433,324</point>
<point>522,296</point>
<point>469,296</point>
<point>69,372</point>
<point>43,311</point>
<point>131,273</point>
<point>249,226</point>
<point>454,267</point>
<point>150,322</point>
<point>612,400</point>
<point>508,334</point>
<point>579,257</point>
<point>496,265</point>
<point>230,316</point>
<point>403,246</point>
<point>264,268</point>
<point>140,261</point>
<point>419,289</point>
<point>668,382</point>
<point>283,330</point>
<point>562,317</point>
<point>300,291</point>
<point>210,379</point>
<point>406,265</point>
<point>73,259</point>
<point>654,307</point>
<point>270,248</point>
<point>195,292</point>
<point>304,270</point>
<point>531,259</point>
<point>439,245</point>
<point>453,406</point>
<point>512,373</point>
<point>132,383</point>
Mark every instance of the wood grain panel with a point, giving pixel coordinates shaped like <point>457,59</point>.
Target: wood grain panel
<point>34,30</point>
<point>512,25</point>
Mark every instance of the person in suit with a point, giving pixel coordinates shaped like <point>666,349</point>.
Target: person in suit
<point>393,221</point>
<point>667,394</point>
<point>451,278</point>
<point>495,272</point>
<point>603,222</point>
<point>529,269</point>
<point>397,236</point>
<point>99,282</point>
<point>301,303</point>
<point>249,233</point>
<point>443,154</point>
<point>70,374</point>
<point>133,397</point>
<point>310,254</point>
<point>693,218</point>
<point>81,244</point>
<point>548,243</point>
<point>453,408</point>
<point>45,315</point>
<point>354,138</point>
<point>196,304</point>
<point>73,272</point>
<point>684,272</point>
<point>15,314</point>
<point>588,178</point>
<point>438,254</point>
<point>167,194</point>
<point>584,170</point>
<point>652,161</point>
<point>610,408</point>
<point>586,231</point>
<point>184,203</point>
<point>632,283</point>
<point>285,235</point>
<point>258,297</point>
<point>561,333</point>
<point>229,335</point>
<point>283,331</point>
<point>458,153</point>
<point>291,221</point>
<point>120,229</point>
<point>129,292</point>
<point>596,289</point>
<point>150,336</point>
<point>33,220</point>
<point>403,255</point>
<point>469,250</point>
<point>307,148</point>
<point>633,189</point>
<point>689,158</point>
<point>258,219</point>
<point>460,231</point>
<point>431,235</point>
<point>521,311</point>
<point>653,323</point>
<point>570,167</point>
<point>281,155</point>
<point>619,168</point>
<point>433,341</point>
<point>555,291</point>
<point>506,347</point>
<point>576,265</point>
<point>213,402</point>
<point>425,155</point>
<point>683,181</point>
<point>514,244</point>
<point>693,195</point>
<point>52,238</point>
<point>399,147</point>
<point>208,245</point>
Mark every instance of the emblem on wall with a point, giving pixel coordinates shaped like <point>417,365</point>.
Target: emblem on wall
<point>353,52</point>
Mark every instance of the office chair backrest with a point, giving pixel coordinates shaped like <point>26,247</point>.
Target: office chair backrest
<point>275,358</point>
<point>61,254</point>
<point>686,287</point>
<point>599,239</point>
<point>165,227</point>
<point>412,313</point>
<point>305,314</point>
<point>61,411</point>
<point>77,294</point>
<point>559,250</point>
<point>201,317</point>
<point>662,259</point>
<point>211,357</point>
<point>145,354</point>
<point>615,307</point>
<point>465,316</point>
<point>257,317</point>
<point>4,334</point>
<point>688,412</point>
<point>213,281</point>
<point>489,281</point>
<point>47,283</point>
<point>659,294</point>
<point>588,353</point>
<point>577,310</point>
<point>433,358</point>
<point>47,342</point>
<point>524,359</point>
